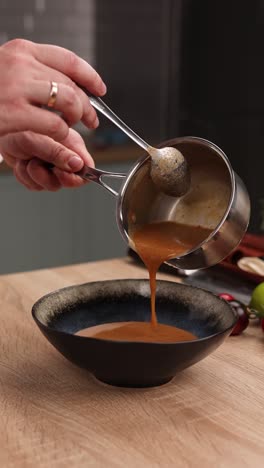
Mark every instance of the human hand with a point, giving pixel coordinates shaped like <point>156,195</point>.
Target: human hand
<point>27,70</point>
<point>28,153</point>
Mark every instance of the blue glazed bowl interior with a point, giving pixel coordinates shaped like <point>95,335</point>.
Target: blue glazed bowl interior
<point>62,313</point>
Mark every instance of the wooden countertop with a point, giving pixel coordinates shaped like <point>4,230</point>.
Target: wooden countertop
<point>54,414</point>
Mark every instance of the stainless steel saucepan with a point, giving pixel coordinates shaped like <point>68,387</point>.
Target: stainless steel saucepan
<point>217,200</point>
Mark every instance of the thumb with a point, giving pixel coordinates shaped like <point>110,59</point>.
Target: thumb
<point>50,151</point>
<point>60,156</point>
<point>74,142</point>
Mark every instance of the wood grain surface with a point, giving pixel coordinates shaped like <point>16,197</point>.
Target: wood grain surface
<point>54,414</point>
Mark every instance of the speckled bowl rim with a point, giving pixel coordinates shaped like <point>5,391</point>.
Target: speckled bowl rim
<point>41,301</point>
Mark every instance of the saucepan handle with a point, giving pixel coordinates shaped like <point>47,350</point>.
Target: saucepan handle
<point>96,175</point>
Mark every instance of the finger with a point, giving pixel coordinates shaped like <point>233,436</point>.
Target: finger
<point>74,142</point>
<point>27,145</point>
<point>51,151</point>
<point>20,170</point>
<point>20,180</point>
<point>67,101</point>
<point>71,65</point>
<point>68,180</point>
<point>10,160</point>
<point>43,176</point>
<point>14,146</point>
<point>89,117</point>
<point>41,121</point>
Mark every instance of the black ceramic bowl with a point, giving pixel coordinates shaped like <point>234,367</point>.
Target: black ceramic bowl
<point>62,313</point>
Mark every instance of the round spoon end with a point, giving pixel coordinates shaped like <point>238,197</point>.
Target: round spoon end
<point>170,172</point>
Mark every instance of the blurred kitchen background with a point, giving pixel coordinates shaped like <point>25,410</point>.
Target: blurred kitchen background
<point>173,68</point>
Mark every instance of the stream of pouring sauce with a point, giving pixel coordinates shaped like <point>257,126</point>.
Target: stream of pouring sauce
<point>155,243</point>
<point>158,242</point>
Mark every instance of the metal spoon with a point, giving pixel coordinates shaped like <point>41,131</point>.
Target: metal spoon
<point>169,169</point>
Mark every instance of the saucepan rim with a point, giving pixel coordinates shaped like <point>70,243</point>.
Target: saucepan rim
<point>142,161</point>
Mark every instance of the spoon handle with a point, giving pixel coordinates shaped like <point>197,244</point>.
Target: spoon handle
<point>99,105</point>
